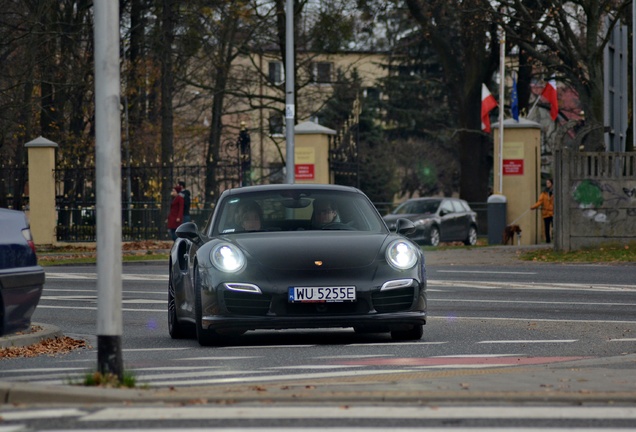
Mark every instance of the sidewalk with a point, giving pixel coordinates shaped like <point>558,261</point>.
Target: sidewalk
<point>487,255</point>
<point>606,380</point>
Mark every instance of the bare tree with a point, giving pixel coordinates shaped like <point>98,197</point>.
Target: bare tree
<point>568,39</point>
<point>464,36</point>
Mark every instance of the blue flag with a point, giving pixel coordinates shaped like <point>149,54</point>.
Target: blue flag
<point>514,104</point>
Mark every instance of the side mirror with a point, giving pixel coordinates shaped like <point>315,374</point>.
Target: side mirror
<point>189,231</point>
<point>404,227</point>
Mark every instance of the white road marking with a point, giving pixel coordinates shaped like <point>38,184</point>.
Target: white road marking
<point>93,276</point>
<point>349,429</point>
<point>371,412</point>
<point>530,302</point>
<point>479,355</point>
<point>38,370</point>
<point>218,358</point>
<point>586,321</point>
<point>313,367</point>
<point>353,356</point>
<point>94,299</point>
<point>265,346</point>
<point>288,377</point>
<point>379,344</point>
<point>431,282</point>
<point>623,340</point>
<point>521,341</point>
<point>485,272</point>
<point>533,286</point>
<point>42,306</point>
<point>39,414</point>
<point>154,349</point>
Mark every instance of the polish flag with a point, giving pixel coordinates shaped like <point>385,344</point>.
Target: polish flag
<point>550,94</point>
<point>488,102</point>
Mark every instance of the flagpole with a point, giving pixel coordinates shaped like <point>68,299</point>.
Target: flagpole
<point>536,101</point>
<point>502,77</point>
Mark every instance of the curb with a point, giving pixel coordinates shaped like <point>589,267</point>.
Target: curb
<point>587,383</point>
<point>25,339</point>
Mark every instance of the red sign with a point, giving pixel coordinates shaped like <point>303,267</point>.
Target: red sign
<point>304,172</point>
<point>513,167</point>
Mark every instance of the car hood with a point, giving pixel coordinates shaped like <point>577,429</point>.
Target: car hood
<point>302,250</point>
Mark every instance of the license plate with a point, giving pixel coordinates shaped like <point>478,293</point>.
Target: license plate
<point>322,294</point>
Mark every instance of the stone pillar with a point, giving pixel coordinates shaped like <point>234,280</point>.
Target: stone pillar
<point>42,213</point>
<point>311,153</point>
<point>520,176</point>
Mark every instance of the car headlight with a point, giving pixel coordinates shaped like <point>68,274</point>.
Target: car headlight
<point>227,257</point>
<point>401,254</point>
<point>423,222</point>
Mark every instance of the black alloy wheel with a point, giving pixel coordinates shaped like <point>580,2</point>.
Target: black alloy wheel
<point>433,237</point>
<point>176,329</point>
<point>471,239</point>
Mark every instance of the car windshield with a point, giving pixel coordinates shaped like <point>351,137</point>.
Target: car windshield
<point>417,207</point>
<point>295,210</point>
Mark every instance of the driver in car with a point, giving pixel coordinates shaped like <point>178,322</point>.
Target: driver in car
<point>325,212</point>
<point>249,217</point>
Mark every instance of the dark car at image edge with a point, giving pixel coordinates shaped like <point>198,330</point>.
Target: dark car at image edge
<point>21,278</point>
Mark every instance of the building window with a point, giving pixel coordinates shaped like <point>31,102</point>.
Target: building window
<point>276,74</point>
<point>321,72</point>
<point>275,123</point>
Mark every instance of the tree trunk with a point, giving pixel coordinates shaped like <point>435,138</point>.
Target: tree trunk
<point>168,18</point>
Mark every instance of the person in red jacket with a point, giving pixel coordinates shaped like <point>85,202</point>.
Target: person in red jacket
<point>175,217</point>
<point>546,202</point>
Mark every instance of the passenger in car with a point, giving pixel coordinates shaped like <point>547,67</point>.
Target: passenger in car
<point>249,216</point>
<point>325,212</point>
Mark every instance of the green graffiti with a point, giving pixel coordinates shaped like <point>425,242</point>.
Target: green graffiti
<point>589,193</point>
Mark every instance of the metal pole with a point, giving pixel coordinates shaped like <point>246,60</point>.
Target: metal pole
<point>290,109</point>
<point>108,179</point>
<point>502,79</point>
<point>634,74</point>
<point>128,170</point>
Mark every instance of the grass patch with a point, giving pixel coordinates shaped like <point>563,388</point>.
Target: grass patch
<point>610,253</point>
<point>53,260</point>
<point>97,379</point>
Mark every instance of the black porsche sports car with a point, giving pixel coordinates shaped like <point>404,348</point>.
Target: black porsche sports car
<point>295,256</point>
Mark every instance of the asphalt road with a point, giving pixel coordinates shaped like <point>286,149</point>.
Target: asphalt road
<point>476,312</point>
<point>500,333</point>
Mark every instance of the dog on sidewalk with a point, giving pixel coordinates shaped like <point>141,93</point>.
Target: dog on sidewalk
<point>509,234</point>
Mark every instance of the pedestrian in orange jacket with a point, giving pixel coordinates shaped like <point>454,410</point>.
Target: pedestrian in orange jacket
<point>546,202</point>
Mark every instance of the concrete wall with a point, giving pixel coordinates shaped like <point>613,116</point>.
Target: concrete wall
<point>595,199</point>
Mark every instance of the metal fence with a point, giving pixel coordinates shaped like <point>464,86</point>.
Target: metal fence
<point>142,215</point>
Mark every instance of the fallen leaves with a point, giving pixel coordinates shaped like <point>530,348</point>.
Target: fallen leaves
<point>50,347</point>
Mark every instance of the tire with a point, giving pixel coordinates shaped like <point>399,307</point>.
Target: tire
<point>433,237</point>
<point>415,333</point>
<point>205,337</point>
<point>176,329</point>
<point>471,239</point>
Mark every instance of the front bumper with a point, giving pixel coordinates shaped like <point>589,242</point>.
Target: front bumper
<point>223,308</point>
